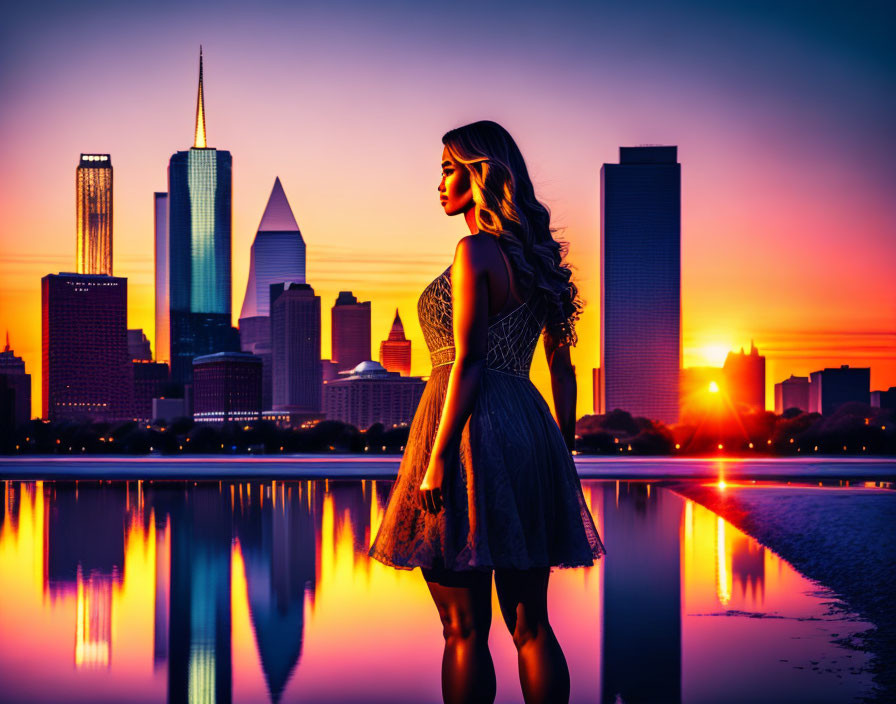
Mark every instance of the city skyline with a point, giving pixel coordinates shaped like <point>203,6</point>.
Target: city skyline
<point>772,186</point>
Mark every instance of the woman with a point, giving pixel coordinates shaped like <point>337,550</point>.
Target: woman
<point>487,481</point>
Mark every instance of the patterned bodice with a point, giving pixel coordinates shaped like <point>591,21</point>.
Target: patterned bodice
<point>512,336</point>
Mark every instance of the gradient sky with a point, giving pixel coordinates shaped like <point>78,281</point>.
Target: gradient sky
<point>782,112</point>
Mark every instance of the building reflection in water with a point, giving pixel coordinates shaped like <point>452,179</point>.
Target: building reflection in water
<point>85,555</point>
<point>213,592</point>
<point>642,595</point>
<point>276,532</point>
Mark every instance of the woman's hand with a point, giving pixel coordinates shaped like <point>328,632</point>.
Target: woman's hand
<point>431,486</point>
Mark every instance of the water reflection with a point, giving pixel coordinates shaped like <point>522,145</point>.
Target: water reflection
<point>255,591</point>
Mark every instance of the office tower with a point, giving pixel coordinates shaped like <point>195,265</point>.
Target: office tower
<point>350,320</point>
<point>150,381</point>
<point>745,379</point>
<point>138,345</point>
<point>255,338</point>
<point>226,386</point>
<point>163,302</point>
<point>792,393</point>
<point>277,256</point>
<point>640,336</point>
<point>295,345</point>
<point>831,387</point>
<point>596,394</point>
<point>372,394</point>
<point>395,352</point>
<point>18,385</point>
<point>199,240</point>
<point>86,372</point>
<point>93,202</point>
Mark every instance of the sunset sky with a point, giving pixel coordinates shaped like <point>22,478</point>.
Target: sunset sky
<point>783,116</point>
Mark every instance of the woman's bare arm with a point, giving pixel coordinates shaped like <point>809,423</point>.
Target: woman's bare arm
<point>469,294</point>
<point>563,387</point>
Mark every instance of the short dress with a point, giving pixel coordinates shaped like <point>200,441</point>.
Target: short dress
<point>512,497</point>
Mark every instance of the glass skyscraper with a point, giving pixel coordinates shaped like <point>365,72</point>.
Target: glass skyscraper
<point>277,256</point>
<point>93,202</point>
<point>640,328</point>
<point>199,241</point>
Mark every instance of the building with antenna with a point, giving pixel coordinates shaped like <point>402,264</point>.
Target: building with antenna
<point>199,244</point>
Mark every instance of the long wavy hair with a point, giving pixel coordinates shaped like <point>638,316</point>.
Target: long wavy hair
<point>506,207</point>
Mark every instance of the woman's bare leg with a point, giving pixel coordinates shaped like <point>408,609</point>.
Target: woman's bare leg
<point>523,595</point>
<point>464,602</point>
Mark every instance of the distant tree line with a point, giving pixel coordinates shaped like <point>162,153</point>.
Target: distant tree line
<point>854,429</point>
<point>185,436</point>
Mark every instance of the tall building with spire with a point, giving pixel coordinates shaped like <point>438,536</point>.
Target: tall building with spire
<point>350,330</point>
<point>277,256</point>
<point>199,242</point>
<point>93,203</point>
<point>395,352</point>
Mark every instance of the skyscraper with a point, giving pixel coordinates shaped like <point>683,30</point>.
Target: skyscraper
<point>199,237</point>
<point>93,202</point>
<point>18,384</point>
<point>395,352</point>
<point>295,343</point>
<point>640,335</point>
<point>350,320</point>
<point>745,379</point>
<point>163,302</point>
<point>86,371</point>
<point>277,256</point>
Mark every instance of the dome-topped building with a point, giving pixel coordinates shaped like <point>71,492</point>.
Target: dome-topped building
<point>369,393</point>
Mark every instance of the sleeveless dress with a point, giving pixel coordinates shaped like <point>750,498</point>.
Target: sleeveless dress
<point>512,496</point>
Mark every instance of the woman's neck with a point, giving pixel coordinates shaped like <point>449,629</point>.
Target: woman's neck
<point>470,217</point>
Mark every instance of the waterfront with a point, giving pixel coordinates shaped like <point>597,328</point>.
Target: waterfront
<point>261,590</point>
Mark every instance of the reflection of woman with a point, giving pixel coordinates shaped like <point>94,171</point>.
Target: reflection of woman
<point>487,481</point>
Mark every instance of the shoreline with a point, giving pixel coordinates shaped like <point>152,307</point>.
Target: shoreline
<point>842,539</point>
<point>353,466</point>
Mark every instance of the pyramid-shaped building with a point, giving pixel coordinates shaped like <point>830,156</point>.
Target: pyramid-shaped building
<point>277,256</point>
<point>395,352</point>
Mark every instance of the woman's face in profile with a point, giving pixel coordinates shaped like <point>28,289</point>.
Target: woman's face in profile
<point>454,187</point>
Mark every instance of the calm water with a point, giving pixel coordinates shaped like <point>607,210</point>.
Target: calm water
<point>256,592</point>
